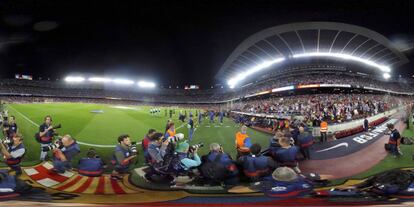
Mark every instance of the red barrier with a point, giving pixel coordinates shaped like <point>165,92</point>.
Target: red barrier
<point>356,130</point>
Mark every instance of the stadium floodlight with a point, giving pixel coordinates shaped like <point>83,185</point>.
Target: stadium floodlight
<point>99,79</point>
<point>145,84</point>
<point>233,81</point>
<point>383,68</point>
<point>123,81</point>
<point>386,75</point>
<point>74,79</point>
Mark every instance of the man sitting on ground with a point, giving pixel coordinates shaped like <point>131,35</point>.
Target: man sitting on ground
<point>218,167</point>
<point>287,154</point>
<point>256,166</point>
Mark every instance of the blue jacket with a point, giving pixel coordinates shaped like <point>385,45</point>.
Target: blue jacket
<point>305,139</point>
<point>17,160</point>
<point>226,160</point>
<point>125,152</point>
<point>256,167</point>
<point>91,166</point>
<point>71,151</point>
<point>287,156</point>
<point>7,184</point>
<point>284,189</point>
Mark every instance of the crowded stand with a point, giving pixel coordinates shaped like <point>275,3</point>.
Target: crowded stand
<point>333,107</point>
<point>214,95</point>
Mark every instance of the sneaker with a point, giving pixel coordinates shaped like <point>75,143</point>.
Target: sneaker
<point>116,177</point>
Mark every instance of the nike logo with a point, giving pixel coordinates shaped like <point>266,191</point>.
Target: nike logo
<point>333,147</point>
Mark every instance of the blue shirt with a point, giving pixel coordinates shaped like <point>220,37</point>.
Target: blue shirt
<point>71,150</point>
<point>188,163</point>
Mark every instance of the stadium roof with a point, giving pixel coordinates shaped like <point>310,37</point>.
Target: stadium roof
<point>310,39</point>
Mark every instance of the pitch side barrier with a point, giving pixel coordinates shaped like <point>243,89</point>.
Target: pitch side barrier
<point>332,128</point>
<point>307,86</point>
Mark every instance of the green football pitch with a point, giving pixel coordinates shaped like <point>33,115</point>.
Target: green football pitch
<point>101,130</point>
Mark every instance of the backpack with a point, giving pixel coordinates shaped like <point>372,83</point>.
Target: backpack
<point>391,182</point>
<point>214,170</point>
<point>171,162</point>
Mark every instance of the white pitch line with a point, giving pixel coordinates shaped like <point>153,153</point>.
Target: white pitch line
<point>82,143</point>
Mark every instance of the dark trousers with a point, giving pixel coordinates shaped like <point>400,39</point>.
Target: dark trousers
<point>16,168</point>
<point>394,150</point>
<point>324,137</point>
<point>305,152</point>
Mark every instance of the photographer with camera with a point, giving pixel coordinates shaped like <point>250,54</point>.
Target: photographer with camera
<point>188,156</point>
<point>125,152</point>
<point>10,127</point>
<point>170,131</point>
<point>46,135</point>
<point>91,165</point>
<point>394,141</point>
<point>13,151</point>
<point>145,143</point>
<point>218,166</point>
<point>64,149</point>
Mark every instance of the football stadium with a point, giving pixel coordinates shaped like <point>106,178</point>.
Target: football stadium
<point>203,106</point>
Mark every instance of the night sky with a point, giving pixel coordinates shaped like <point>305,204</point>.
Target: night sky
<point>169,42</point>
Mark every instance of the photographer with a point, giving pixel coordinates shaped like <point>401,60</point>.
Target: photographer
<point>394,140</point>
<point>10,127</point>
<point>170,131</point>
<point>45,136</point>
<point>188,159</point>
<point>256,166</point>
<point>91,165</point>
<point>122,157</point>
<point>13,153</point>
<point>63,151</point>
<point>218,167</point>
<point>286,155</point>
<point>145,143</point>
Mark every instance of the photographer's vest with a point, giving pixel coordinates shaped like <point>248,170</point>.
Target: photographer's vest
<point>394,136</point>
<point>287,156</point>
<point>255,167</point>
<point>240,137</point>
<point>170,133</point>
<point>90,166</point>
<point>226,160</point>
<point>48,137</point>
<point>124,152</point>
<point>324,127</point>
<point>15,161</point>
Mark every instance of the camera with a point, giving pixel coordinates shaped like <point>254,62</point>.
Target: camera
<point>5,141</point>
<point>176,138</point>
<point>57,126</point>
<point>133,148</point>
<point>57,144</point>
<point>196,146</point>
